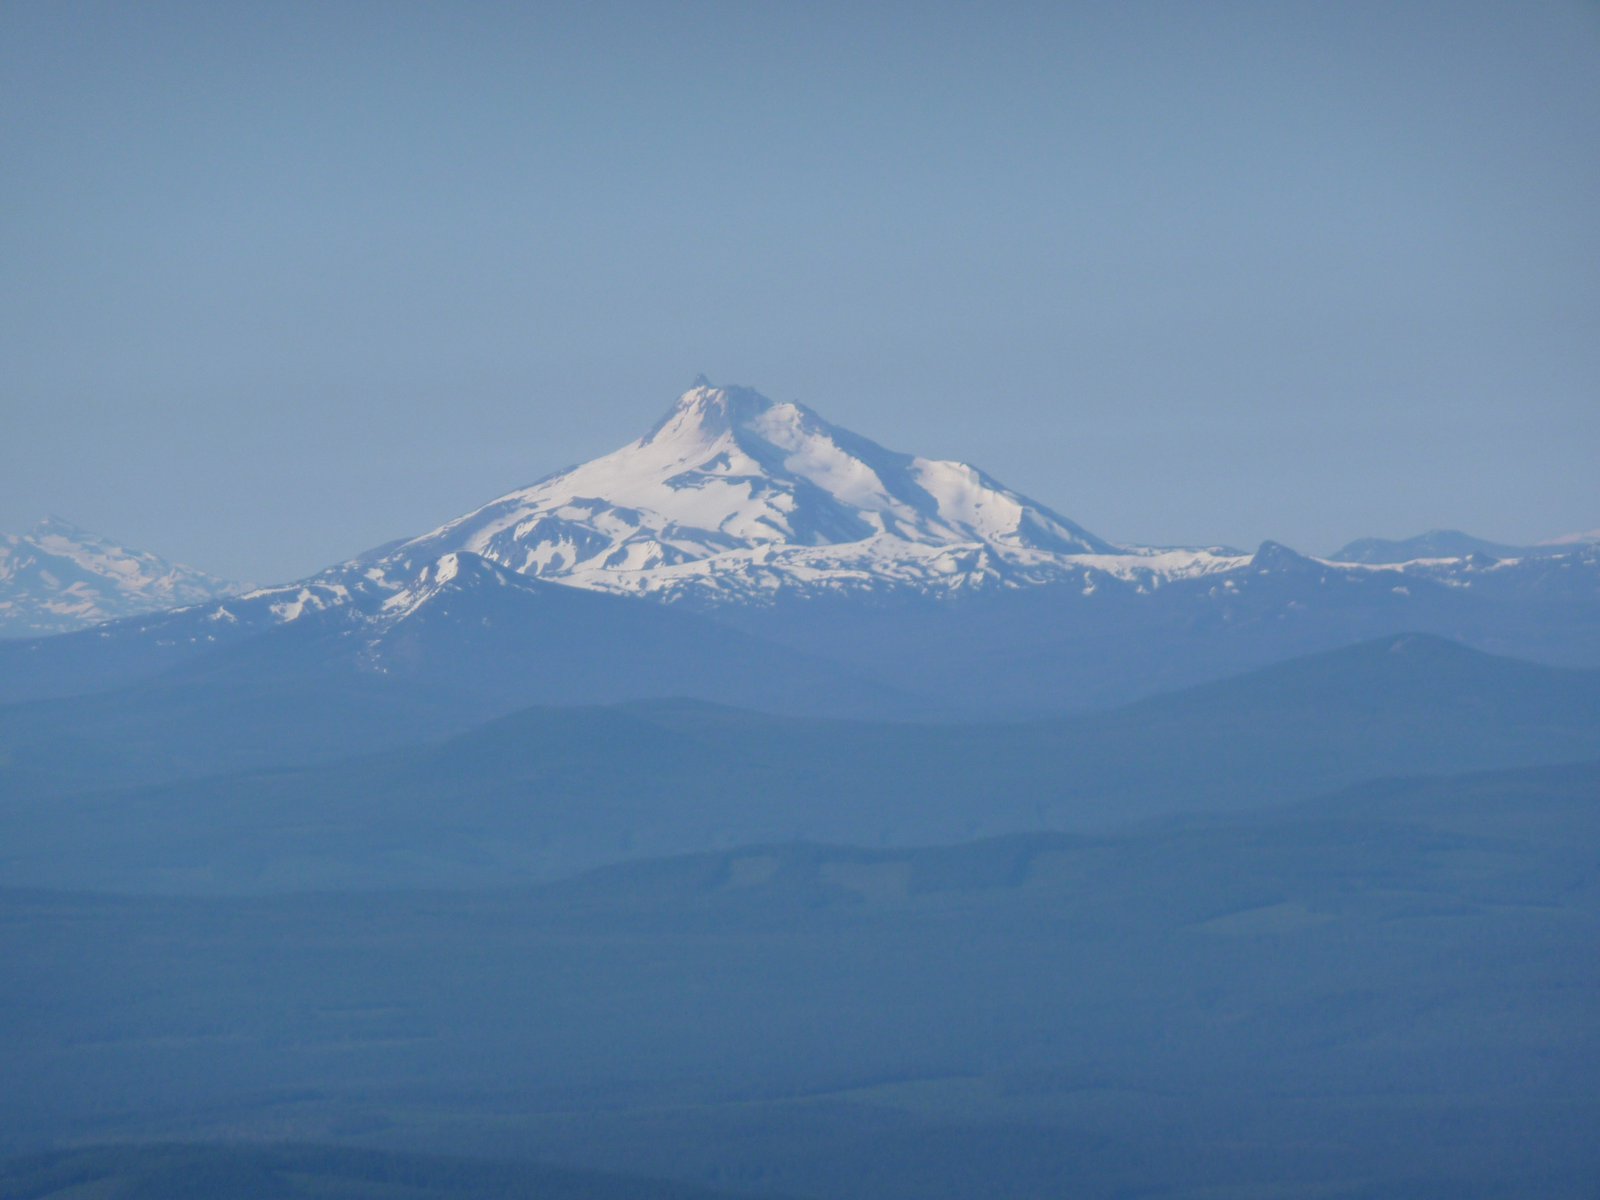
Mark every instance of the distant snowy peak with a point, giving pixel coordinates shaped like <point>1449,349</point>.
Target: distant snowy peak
<point>1568,541</point>
<point>1453,544</point>
<point>58,577</point>
<point>731,485</point>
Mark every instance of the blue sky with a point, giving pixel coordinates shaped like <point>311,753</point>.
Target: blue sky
<point>286,281</point>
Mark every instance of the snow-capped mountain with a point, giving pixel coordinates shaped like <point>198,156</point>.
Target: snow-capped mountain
<point>58,577</point>
<point>733,497</point>
<point>733,506</point>
<point>736,500</point>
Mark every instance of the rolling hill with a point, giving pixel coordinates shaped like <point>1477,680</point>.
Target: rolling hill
<point>547,792</point>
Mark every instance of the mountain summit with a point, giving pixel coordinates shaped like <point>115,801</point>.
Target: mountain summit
<point>734,493</point>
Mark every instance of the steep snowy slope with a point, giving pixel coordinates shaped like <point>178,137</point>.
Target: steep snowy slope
<point>58,577</point>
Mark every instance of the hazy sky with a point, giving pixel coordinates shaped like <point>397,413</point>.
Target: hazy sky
<point>282,282</point>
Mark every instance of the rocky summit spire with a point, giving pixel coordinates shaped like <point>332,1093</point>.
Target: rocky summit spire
<point>705,413</point>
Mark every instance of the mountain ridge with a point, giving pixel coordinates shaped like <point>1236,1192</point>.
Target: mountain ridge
<point>553,789</point>
<point>1446,544</point>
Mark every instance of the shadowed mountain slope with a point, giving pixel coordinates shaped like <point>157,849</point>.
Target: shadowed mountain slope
<point>462,646</point>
